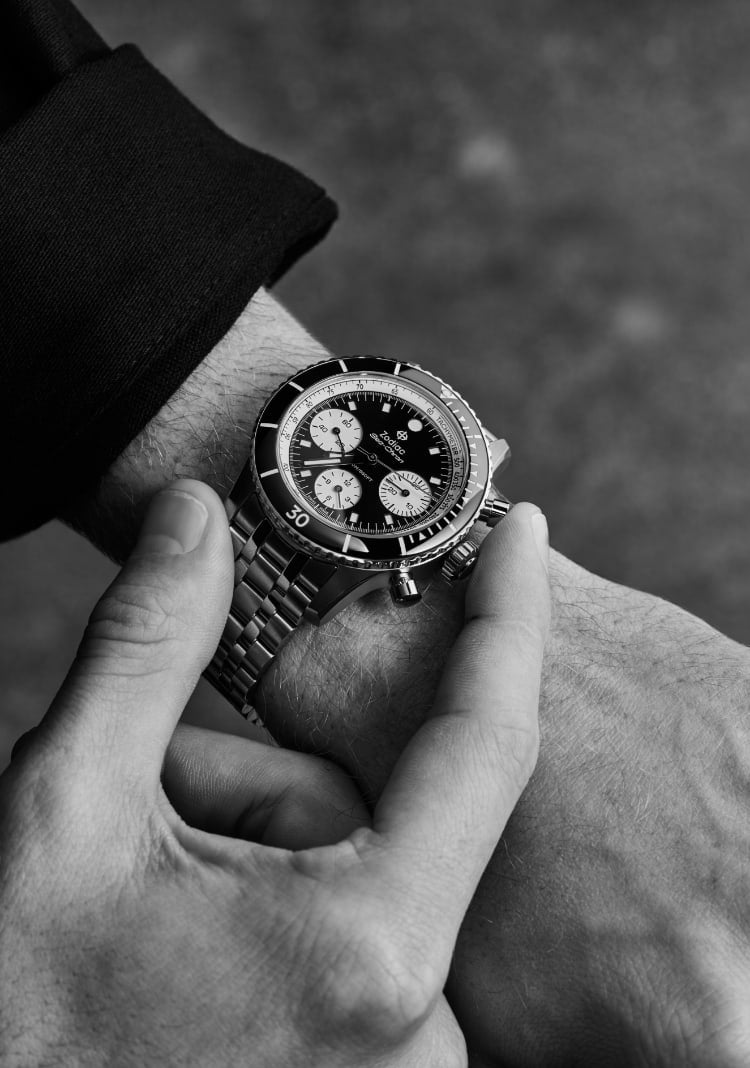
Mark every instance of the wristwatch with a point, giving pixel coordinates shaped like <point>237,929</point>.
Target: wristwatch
<point>364,473</point>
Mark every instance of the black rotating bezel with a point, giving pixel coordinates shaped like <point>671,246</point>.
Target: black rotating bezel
<point>359,550</point>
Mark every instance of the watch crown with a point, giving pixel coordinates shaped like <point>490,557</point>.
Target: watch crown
<point>459,562</point>
<point>404,589</point>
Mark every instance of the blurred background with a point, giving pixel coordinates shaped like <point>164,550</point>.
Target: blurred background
<point>546,202</point>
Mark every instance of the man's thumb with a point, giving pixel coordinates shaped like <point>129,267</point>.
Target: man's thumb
<point>153,632</point>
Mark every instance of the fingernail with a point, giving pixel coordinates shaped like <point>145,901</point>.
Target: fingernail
<point>540,531</point>
<point>174,524</point>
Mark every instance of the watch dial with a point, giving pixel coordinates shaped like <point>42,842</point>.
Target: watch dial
<point>373,455</point>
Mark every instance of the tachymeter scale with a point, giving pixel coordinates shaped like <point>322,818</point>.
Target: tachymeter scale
<point>373,434</point>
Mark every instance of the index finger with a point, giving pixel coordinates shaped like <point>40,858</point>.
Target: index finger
<point>454,787</point>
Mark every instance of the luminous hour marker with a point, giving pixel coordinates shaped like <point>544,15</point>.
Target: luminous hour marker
<point>271,426</point>
<point>354,517</point>
<point>352,406</point>
<point>347,540</point>
<point>295,386</point>
<point>386,406</point>
<point>436,481</point>
<point>343,366</point>
<point>397,369</point>
<point>415,425</point>
<point>306,474</point>
<point>434,450</point>
<point>402,543</point>
<point>272,471</point>
<point>306,444</point>
<point>388,520</point>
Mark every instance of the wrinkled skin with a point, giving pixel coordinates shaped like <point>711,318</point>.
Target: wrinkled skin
<point>139,927</point>
<point>612,924</point>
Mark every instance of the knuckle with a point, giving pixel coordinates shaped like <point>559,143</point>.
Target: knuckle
<point>519,642</point>
<point>130,621</point>
<point>509,744</point>
<point>525,639</point>
<point>507,756</point>
<point>372,989</point>
<point>516,749</point>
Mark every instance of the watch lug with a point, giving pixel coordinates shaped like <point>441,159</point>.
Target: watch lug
<point>241,490</point>
<point>499,455</point>
<point>349,584</point>
<point>346,585</point>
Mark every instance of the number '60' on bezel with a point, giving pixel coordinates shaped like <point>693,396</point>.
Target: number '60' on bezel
<point>304,528</point>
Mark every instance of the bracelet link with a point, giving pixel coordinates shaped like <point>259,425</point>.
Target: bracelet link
<point>274,586</point>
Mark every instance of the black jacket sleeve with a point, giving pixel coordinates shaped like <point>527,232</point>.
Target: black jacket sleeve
<point>132,234</point>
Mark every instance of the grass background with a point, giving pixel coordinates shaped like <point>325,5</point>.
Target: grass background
<point>546,202</point>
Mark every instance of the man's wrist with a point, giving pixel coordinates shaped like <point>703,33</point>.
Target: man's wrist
<point>356,689</point>
<point>204,430</point>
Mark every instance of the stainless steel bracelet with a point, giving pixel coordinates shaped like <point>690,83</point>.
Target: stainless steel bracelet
<point>274,584</point>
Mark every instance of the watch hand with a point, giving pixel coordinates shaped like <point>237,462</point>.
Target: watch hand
<point>334,461</point>
<point>395,475</point>
<point>338,498</point>
<point>375,459</point>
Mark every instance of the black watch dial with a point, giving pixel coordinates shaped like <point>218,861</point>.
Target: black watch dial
<point>376,462</point>
<point>373,461</point>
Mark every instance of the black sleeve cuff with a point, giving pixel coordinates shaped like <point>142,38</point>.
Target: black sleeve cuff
<point>132,233</point>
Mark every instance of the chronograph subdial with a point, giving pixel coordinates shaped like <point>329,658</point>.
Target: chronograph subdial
<point>334,430</point>
<point>405,493</point>
<point>338,489</point>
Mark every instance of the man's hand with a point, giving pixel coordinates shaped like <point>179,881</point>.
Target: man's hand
<point>130,937</point>
<point>611,925</point>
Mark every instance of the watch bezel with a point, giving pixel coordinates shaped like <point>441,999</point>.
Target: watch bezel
<point>327,542</point>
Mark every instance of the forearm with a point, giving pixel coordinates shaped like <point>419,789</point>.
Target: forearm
<point>204,429</point>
